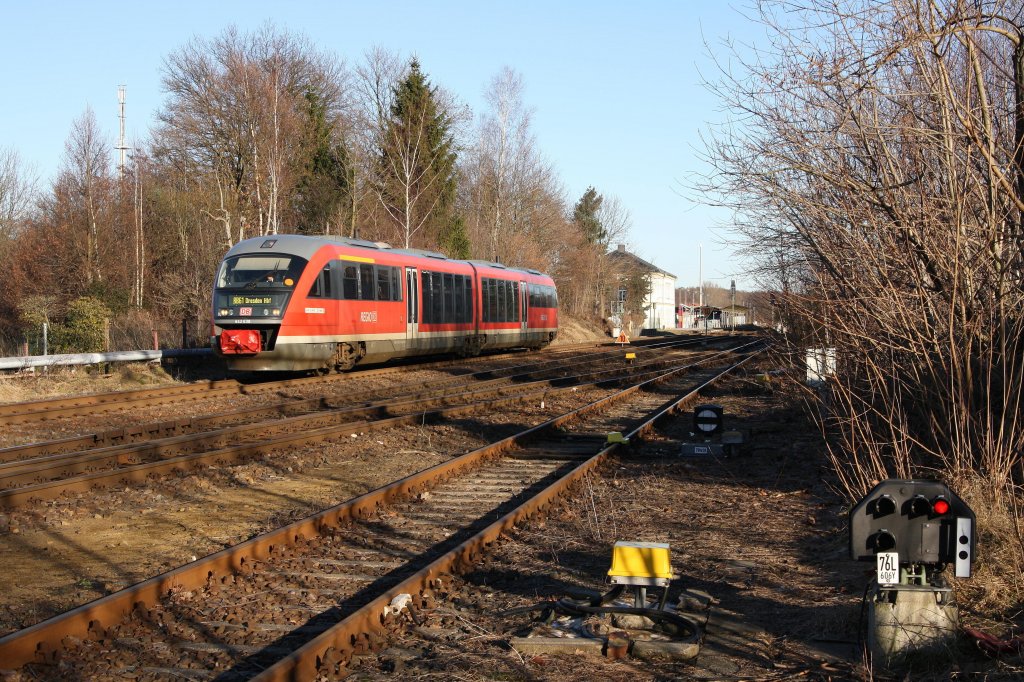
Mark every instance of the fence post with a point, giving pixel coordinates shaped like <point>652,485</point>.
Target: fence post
<point>156,341</point>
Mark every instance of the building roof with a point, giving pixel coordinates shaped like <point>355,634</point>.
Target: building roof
<point>620,255</point>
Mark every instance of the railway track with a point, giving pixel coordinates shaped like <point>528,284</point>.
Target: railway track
<point>47,470</point>
<point>300,601</point>
<point>99,403</point>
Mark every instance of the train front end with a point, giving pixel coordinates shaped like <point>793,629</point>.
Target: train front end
<point>255,283</point>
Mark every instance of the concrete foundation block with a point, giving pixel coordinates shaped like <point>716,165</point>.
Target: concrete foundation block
<point>907,620</point>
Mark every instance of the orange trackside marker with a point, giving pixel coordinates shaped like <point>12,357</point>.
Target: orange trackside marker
<point>622,338</point>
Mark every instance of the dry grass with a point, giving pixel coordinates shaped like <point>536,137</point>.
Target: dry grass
<point>64,381</point>
<point>991,600</point>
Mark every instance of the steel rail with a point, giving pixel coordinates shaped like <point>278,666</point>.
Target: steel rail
<point>51,454</point>
<point>41,641</point>
<point>15,468</point>
<point>415,412</point>
<point>92,403</point>
<point>36,410</point>
<point>177,427</point>
<point>336,645</point>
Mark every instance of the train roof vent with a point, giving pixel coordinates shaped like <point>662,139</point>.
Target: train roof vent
<point>424,253</point>
<point>365,243</point>
<point>533,272</point>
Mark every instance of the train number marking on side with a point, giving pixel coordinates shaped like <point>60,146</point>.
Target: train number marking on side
<point>368,316</point>
<point>315,311</point>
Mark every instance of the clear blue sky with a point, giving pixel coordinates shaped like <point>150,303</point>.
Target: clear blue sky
<point>614,85</point>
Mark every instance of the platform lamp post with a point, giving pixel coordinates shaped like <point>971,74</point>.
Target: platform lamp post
<point>732,313</point>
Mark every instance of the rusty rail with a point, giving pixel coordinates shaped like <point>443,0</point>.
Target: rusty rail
<point>336,645</point>
<point>310,429</point>
<point>94,403</point>
<point>40,642</point>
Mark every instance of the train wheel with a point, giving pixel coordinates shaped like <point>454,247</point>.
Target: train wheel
<point>345,357</point>
<point>472,346</point>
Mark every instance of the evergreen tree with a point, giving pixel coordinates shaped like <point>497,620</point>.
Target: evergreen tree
<point>325,190</point>
<point>416,171</point>
<point>454,241</point>
<point>585,215</point>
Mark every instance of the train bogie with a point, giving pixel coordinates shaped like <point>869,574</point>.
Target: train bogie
<point>291,303</point>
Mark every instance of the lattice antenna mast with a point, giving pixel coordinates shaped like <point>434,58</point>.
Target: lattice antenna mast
<point>122,147</point>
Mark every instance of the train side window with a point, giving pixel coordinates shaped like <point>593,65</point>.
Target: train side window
<point>515,301</point>
<point>489,303</point>
<point>449,297</point>
<point>322,284</point>
<point>437,302</point>
<point>383,283</point>
<point>468,294</point>
<point>350,283</point>
<point>366,292</point>
<point>502,297</point>
<point>396,284</point>
<point>429,295</point>
<point>425,294</point>
<point>459,297</point>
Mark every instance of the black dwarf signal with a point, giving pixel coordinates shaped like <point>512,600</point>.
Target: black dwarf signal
<point>923,521</point>
<point>707,419</point>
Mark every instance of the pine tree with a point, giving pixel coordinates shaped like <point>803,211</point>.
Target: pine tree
<point>585,215</point>
<point>325,190</point>
<point>416,169</point>
<point>454,240</point>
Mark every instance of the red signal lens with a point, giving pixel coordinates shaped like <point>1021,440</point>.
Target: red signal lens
<point>940,506</point>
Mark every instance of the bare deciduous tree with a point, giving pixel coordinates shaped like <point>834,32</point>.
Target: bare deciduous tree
<point>874,168</point>
<point>237,117</point>
<point>86,174</point>
<point>17,192</point>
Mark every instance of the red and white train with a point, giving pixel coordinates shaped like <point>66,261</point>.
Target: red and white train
<point>293,302</point>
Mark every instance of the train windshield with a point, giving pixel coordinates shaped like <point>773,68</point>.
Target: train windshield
<point>260,272</point>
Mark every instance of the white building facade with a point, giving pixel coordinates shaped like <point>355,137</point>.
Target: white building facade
<point>659,305</point>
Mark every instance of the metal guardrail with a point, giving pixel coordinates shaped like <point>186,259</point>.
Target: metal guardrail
<point>67,359</point>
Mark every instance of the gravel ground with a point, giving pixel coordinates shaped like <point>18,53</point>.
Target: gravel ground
<point>760,534</point>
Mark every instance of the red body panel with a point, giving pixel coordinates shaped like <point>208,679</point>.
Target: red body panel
<point>309,321</point>
<point>240,342</point>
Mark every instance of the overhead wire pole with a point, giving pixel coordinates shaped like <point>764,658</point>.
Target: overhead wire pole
<point>122,147</point>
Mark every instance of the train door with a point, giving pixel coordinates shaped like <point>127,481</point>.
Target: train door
<point>412,307</point>
<point>524,297</point>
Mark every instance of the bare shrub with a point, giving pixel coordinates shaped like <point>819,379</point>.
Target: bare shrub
<point>877,182</point>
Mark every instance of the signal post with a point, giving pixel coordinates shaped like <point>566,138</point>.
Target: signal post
<point>911,529</point>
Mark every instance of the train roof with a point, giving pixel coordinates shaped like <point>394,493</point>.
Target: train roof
<point>305,246</point>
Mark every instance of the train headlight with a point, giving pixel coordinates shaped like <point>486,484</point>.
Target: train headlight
<point>277,311</point>
<point>224,312</point>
